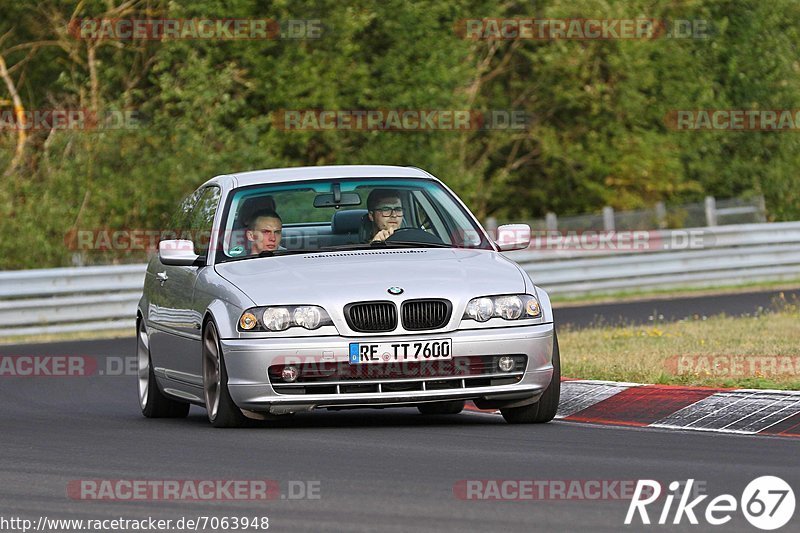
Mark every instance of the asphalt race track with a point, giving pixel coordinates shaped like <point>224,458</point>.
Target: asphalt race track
<point>671,309</point>
<point>387,470</point>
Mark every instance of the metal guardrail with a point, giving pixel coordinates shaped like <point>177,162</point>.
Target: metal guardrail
<point>62,300</point>
<point>729,255</point>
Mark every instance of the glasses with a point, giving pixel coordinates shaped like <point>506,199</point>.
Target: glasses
<point>388,211</point>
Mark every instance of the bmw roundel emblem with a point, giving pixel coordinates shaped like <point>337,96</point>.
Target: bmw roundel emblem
<point>395,290</point>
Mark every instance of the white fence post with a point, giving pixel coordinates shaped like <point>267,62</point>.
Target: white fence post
<point>661,215</point>
<point>551,222</point>
<point>491,227</point>
<point>762,209</point>
<point>608,218</point>
<point>711,211</point>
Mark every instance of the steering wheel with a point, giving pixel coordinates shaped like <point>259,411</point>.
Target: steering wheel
<point>414,235</point>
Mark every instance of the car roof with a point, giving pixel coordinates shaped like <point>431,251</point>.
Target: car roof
<point>278,175</point>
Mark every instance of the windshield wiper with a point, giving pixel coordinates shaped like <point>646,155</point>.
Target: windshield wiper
<point>407,244</point>
<point>344,247</point>
<point>291,252</point>
<point>270,253</point>
<point>352,246</point>
<point>278,253</point>
<point>385,244</point>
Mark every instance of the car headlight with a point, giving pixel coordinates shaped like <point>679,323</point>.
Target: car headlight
<point>508,307</point>
<point>308,316</point>
<point>281,318</point>
<point>275,318</point>
<point>480,309</point>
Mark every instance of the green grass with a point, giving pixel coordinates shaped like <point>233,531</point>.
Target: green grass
<point>761,351</point>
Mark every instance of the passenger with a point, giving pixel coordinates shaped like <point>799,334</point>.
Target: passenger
<point>385,211</point>
<point>264,231</point>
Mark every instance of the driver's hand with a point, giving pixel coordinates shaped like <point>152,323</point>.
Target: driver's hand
<point>383,234</point>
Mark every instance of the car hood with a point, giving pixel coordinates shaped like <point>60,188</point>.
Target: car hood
<point>337,278</point>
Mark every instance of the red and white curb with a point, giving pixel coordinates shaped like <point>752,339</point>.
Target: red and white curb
<point>741,411</point>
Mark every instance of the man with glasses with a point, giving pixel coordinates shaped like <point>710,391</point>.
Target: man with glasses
<point>385,211</point>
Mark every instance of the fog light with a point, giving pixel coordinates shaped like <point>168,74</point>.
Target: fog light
<point>289,373</point>
<point>506,363</point>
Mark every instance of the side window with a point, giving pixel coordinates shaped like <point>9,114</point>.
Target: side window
<point>203,218</point>
<point>179,223</point>
<point>428,218</point>
<point>423,220</point>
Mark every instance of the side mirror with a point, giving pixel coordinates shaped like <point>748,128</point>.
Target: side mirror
<point>513,237</point>
<point>177,252</point>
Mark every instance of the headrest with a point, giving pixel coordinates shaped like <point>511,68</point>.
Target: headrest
<point>347,221</point>
<point>251,205</point>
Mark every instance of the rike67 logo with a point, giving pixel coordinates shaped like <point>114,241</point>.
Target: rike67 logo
<point>767,503</point>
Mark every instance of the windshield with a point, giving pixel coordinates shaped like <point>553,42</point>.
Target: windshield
<point>340,214</point>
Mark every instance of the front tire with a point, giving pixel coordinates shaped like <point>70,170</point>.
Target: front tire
<point>545,409</point>
<point>152,401</point>
<point>222,411</point>
<point>442,408</point>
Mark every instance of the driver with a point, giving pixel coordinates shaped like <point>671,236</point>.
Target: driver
<point>385,211</point>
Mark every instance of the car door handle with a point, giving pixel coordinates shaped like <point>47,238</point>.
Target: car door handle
<point>162,277</point>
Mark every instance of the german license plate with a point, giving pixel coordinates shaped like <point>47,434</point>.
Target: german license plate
<point>391,352</point>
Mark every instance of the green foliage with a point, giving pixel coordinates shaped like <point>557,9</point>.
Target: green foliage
<point>596,136</point>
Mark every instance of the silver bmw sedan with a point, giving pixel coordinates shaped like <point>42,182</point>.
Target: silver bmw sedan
<point>286,290</point>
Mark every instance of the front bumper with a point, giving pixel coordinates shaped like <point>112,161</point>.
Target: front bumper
<point>247,361</point>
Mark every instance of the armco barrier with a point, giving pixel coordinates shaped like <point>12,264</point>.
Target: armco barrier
<point>61,300</point>
<point>101,298</point>
<point>730,255</point>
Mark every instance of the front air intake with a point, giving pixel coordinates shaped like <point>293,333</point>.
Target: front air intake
<point>420,315</point>
<point>371,317</point>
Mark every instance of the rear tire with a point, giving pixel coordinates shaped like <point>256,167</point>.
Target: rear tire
<point>222,411</point>
<point>452,407</point>
<point>152,401</point>
<point>545,409</point>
